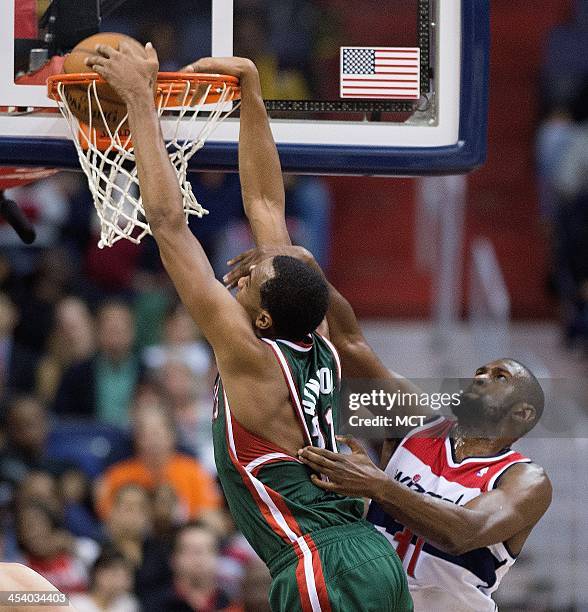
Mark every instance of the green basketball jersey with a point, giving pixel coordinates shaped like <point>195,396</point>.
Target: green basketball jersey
<point>271,497</point>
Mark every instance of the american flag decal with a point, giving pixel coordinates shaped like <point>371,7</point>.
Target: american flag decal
<point>381,72</point>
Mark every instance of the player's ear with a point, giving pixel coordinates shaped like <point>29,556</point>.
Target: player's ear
<point>263,321</point>
<point>524,413</point>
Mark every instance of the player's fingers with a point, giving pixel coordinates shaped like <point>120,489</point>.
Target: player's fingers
<point>315,460</point>
<point>151,52</point>
<point>223,65</point>
<point>103,71</point>
<point>352,443</point>
<point>231,280</point>
<point>232,276</point>
<point>202,65</point>
<point>323,452</point>
<point>106,51</point>
<point>243,267</point>
<point>125,49</point>
<point>324,484</point>
<point>240,257</point>
<point>206,64</point>
<point>96,60</point>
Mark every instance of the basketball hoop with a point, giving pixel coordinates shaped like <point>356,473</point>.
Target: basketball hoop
<point>106,153</point>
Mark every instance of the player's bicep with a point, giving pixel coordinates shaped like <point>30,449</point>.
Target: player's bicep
<point>520,500</point>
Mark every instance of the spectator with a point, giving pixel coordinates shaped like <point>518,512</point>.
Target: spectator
<point>129,522</point>
<point>572,164</point>
<point>155,574</point>
<point>71,341</point>
<point>236,558</point>
<point>570,184</point>
<point>40,488</point>
<point>78,511</point>
<point>17,362</point>
<point>103,386</point>
<point>194,562</point>
<point>190,398</point>
<point>38,295</point>
<point>52,551</point>
<point>156,462</point>
<point>565,63</point>
<point>181,341</point>
<point>255,589</point>
<point>27,429</point>
<point>308,205</point>
<point>165,512</point>
<point>111,582</point>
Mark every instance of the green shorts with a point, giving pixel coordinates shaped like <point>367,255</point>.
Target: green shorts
<point>348,568</point>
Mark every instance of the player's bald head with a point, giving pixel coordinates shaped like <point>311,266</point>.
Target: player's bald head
<point>527,387</point>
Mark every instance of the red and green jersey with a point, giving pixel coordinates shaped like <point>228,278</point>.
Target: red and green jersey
<point>271,497</point>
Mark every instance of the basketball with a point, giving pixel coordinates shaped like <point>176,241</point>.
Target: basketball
<point>113,108</point>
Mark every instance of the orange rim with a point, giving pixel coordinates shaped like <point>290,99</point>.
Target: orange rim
<point>171,86</point>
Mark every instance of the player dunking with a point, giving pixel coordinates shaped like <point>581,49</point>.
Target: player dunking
<point>279,379</point>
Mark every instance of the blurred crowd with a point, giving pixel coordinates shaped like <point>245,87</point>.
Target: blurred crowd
<point>107,477</point>
<point>562,163</point>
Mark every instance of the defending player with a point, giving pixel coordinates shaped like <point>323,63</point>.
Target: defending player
<point>456,502</point>
<point>278,379</point>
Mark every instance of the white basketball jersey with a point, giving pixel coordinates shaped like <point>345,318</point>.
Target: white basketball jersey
<point>438,581</point>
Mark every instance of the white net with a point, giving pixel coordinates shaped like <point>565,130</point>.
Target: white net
<point>108,160</point>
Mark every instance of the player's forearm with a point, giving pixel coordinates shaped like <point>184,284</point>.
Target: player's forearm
<point>343,324</point>
<point>259,168</point>
<point>450,527</point>
<point>160,192</point>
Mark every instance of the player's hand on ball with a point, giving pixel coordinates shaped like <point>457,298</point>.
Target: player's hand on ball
<point>131,74</point>
<point>242,264</point>
<point>239,67</point>
<point>353,474</point>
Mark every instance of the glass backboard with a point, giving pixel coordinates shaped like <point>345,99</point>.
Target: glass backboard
<point>380,88</point>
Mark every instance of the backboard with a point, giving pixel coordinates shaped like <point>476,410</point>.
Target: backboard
<point>375,88</point>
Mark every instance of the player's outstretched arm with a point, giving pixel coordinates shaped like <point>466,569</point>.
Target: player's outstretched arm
<point>264,203</point>
<point>222,320</point>
<point>260,172</point>
<point>520,500</point>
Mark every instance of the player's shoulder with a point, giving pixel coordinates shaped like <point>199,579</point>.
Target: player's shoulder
<point>528,476</point>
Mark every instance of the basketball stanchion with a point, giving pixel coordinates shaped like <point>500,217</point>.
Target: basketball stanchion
<point>106,154</point>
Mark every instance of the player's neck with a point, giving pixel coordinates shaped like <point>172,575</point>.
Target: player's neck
<point>473,444</point>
